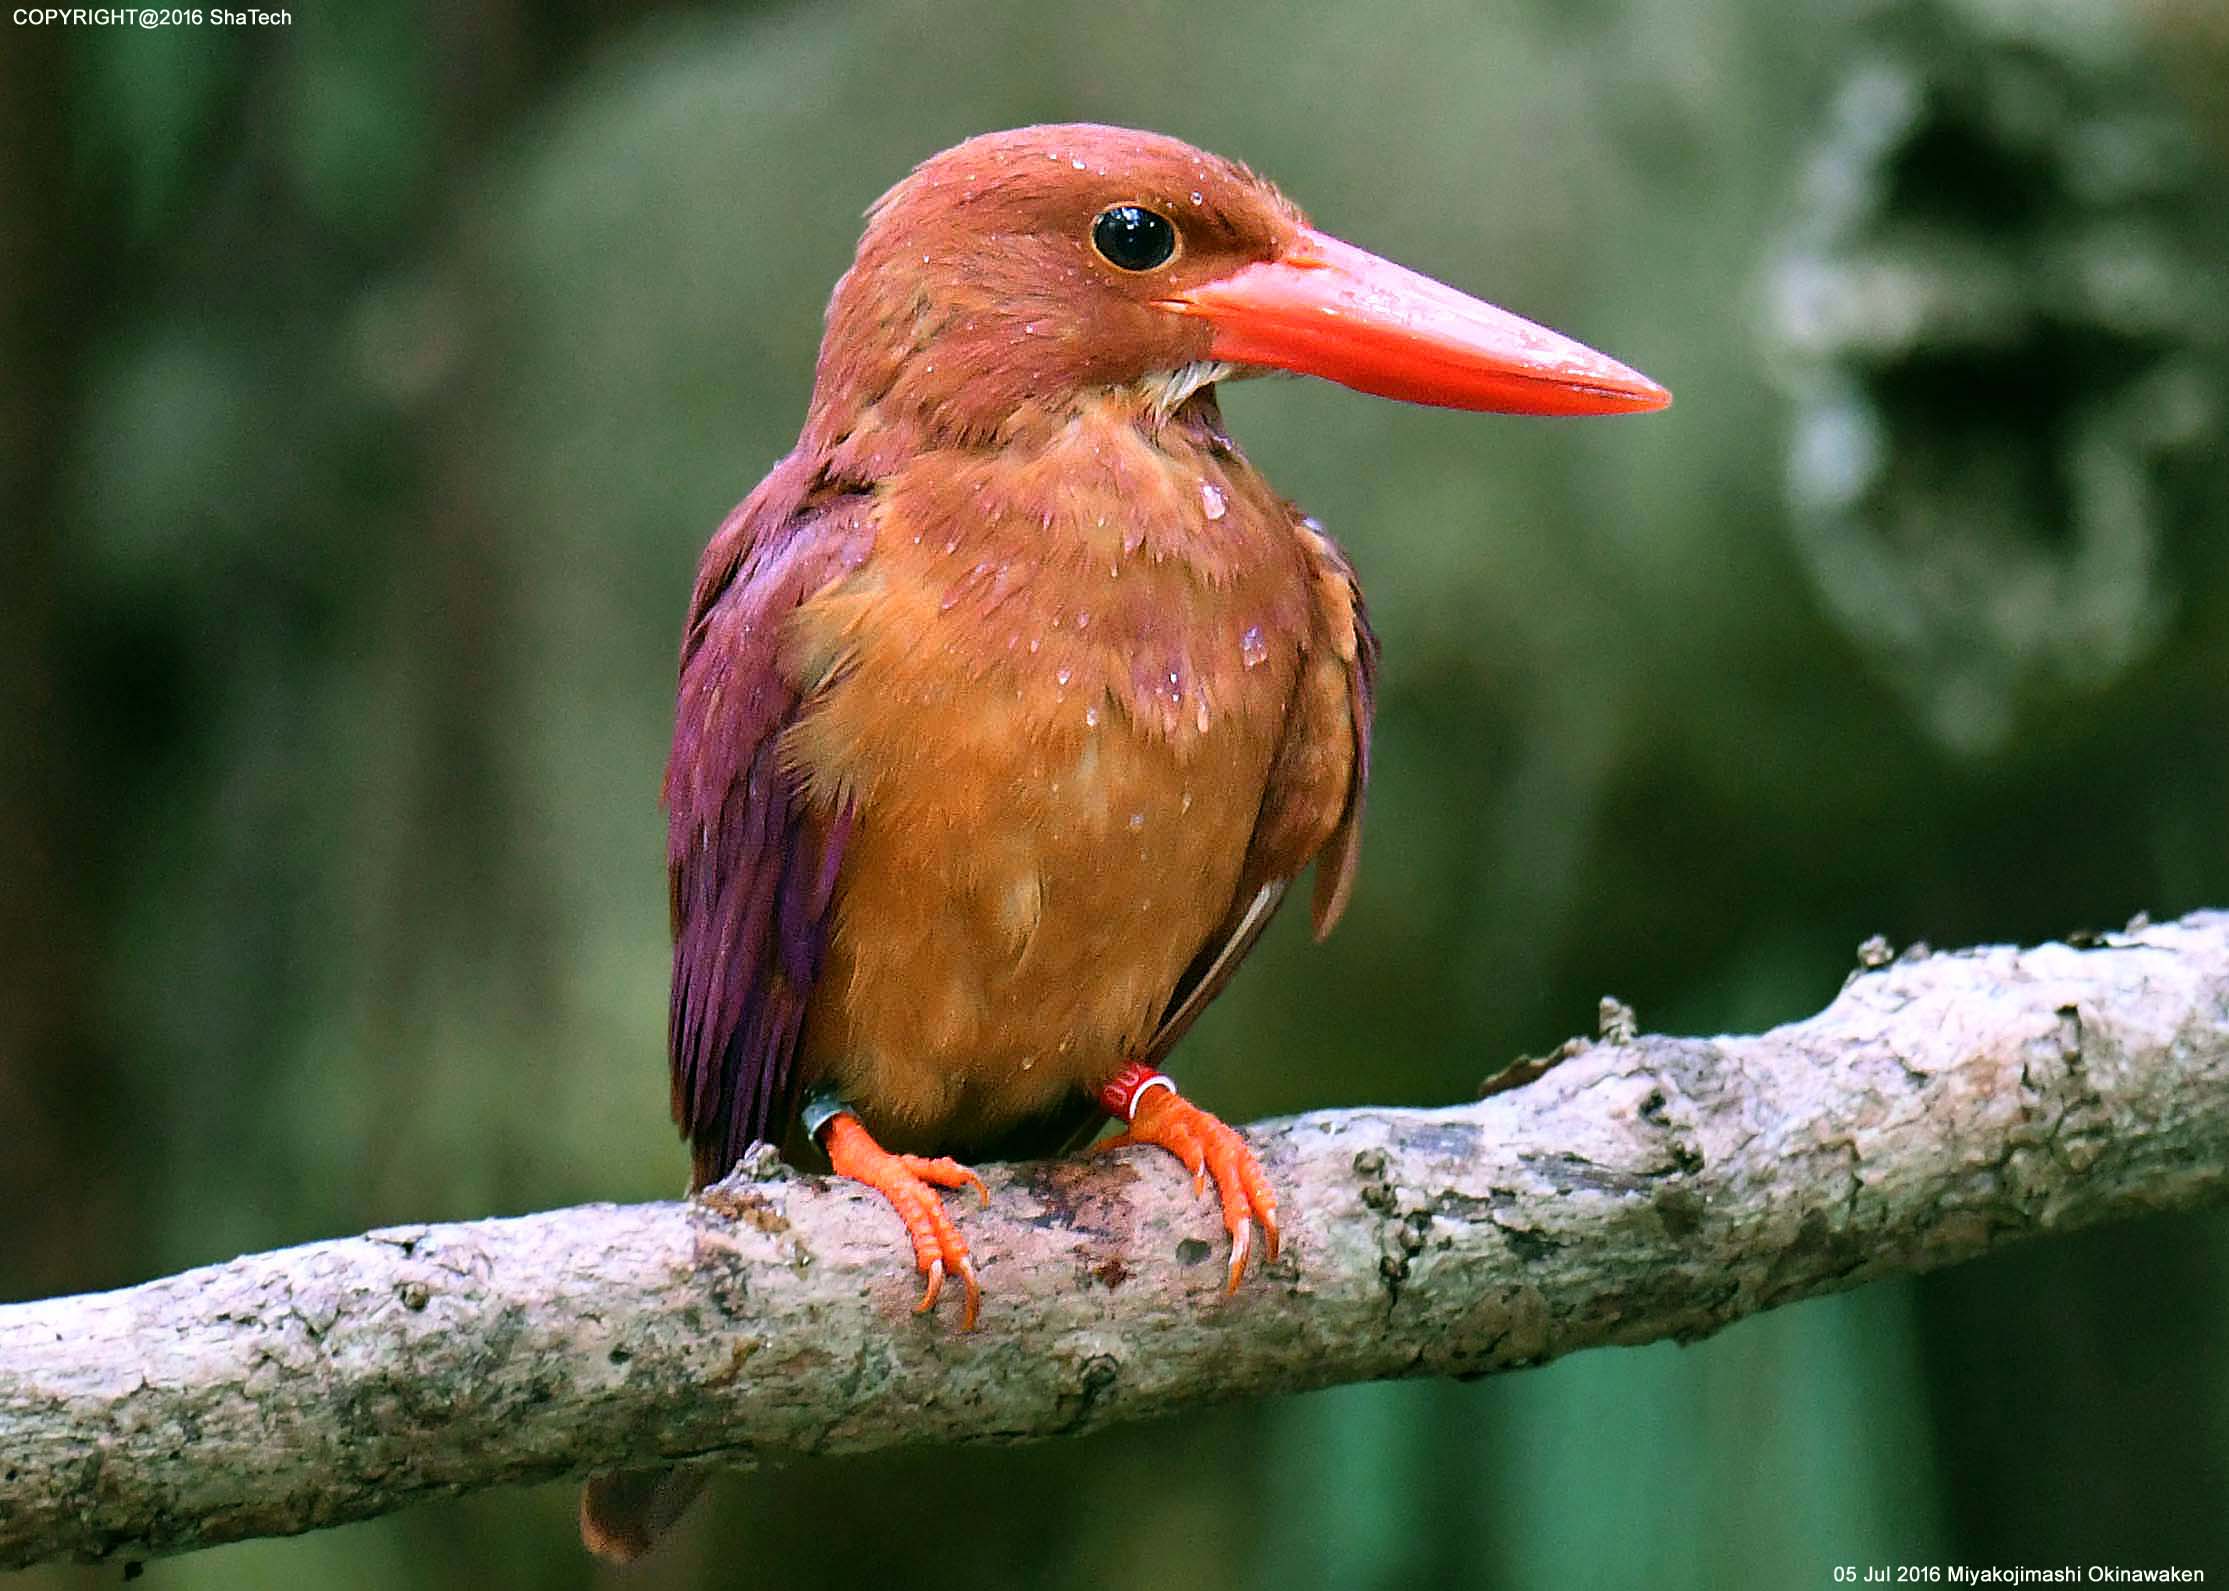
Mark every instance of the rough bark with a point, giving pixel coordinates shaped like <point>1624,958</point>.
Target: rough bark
<point>1640,1188</point>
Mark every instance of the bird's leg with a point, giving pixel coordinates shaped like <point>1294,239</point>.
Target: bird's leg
<point>909,1182</point>
<point>1154,1113</point>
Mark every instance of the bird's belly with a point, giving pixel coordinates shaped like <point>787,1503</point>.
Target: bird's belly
<point>1029,874</point>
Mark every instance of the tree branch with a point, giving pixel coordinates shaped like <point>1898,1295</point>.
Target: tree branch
<point>1657,1187</point>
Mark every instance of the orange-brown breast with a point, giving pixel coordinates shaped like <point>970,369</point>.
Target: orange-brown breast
<point>1054,694</point>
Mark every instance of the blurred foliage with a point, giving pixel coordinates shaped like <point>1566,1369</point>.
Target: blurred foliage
<point>2002,323</point>
<point>373,382</point>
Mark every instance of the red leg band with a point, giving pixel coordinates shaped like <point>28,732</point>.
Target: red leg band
<point>1120,1097</point>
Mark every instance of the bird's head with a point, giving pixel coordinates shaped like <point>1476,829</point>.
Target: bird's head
<point>1013,274</point>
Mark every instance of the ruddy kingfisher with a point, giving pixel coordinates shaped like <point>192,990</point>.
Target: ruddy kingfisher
<point>1013,700</point>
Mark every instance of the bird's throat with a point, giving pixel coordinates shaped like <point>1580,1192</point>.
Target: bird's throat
<point>1163,394</point>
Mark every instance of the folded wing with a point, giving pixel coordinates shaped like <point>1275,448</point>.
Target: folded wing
<point>751,866</point>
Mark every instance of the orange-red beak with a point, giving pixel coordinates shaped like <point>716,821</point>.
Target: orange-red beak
<point>1330,309</point>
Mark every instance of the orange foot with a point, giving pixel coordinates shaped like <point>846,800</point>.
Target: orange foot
<point>1208,1148</point>
<point>905,1180</point>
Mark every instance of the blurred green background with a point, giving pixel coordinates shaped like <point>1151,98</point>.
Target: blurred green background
<point>371,383</point>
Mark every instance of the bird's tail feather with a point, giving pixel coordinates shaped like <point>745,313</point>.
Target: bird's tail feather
<point>623,1512</point>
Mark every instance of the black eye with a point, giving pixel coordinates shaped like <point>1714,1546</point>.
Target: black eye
<point>1133,237</point>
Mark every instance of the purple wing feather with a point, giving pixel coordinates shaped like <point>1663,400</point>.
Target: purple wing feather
<point>752,871</point>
